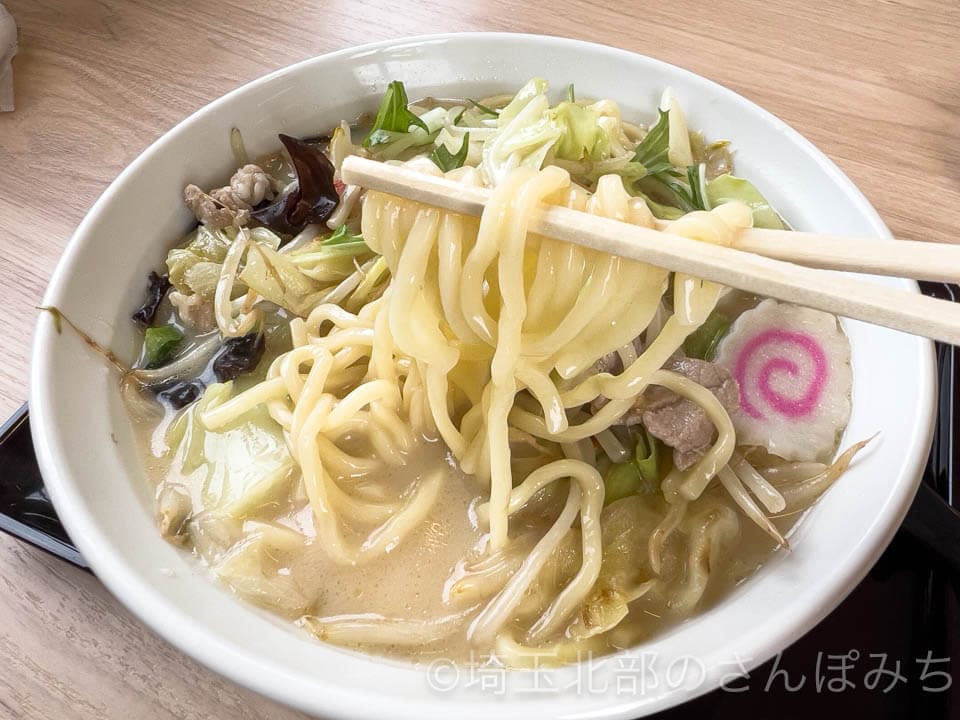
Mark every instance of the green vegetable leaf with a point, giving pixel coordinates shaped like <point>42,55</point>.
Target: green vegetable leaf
<point>447,161</point>
<point>639,476</point>
<point>159,343</point>
<point>483,108</point>
<point>341,236</point>
<point>393,116</point>
<point>702,343</point>
<point>697,180</point>
<point>727,188</point>
<point>321,262</point>
<point>391,145</point>
<point>621,480</point>
<point>661,211</point>
<point>652,151</point>
<point>646,457</point>
<point>624,166</point>
<point>671,188</point>
<point>342,243</point>
<point>382,137</point>
<point>664,181</point>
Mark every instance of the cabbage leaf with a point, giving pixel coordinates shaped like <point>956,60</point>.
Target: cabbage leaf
<point>530,133</point>
<point>525,133</point>
<point>203,246</point>
<point>625,572</point>
<point>727,188</point>
<point>236,469</point>
<point>277,278</point>
<point>247,568</point>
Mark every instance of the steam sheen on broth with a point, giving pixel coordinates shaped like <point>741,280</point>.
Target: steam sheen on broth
<point>421,434</point>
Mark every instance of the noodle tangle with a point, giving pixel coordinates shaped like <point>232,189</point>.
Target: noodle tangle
<point>487,333</point>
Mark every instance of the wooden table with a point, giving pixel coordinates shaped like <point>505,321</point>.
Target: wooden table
<point>873,84</point>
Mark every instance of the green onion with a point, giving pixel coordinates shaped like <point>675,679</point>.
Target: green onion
<point>447,161</point>
<point>571,96</point>
<point>159,343</point>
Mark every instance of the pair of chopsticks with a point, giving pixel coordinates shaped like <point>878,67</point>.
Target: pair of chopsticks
<point>775,263</point>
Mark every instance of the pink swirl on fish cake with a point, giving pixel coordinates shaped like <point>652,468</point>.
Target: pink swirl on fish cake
<point>793,408</point>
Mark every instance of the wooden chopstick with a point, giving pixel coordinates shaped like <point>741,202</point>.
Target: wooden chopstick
<point>816,288</point>
<point>896,258</point>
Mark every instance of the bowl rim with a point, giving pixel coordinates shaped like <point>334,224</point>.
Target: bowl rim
<point>190,636</point>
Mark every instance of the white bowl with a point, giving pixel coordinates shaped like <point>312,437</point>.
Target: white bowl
<point>84,439</point>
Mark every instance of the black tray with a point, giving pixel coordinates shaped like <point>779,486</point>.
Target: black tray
<point>885,652</point>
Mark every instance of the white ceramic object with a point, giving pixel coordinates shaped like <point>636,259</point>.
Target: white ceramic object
<point>84,439</point>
